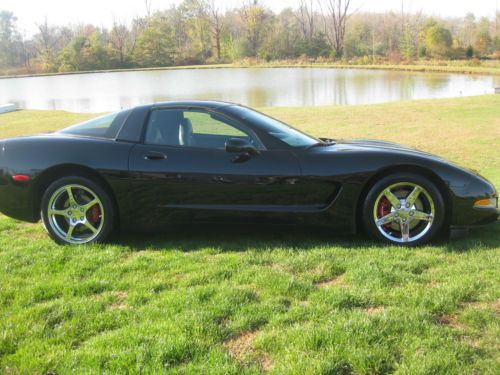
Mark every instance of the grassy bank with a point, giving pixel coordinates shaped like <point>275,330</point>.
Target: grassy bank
<point>252,300</point>
<point>461,66</point>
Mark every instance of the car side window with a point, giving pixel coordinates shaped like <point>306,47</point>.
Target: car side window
<point>193,128</point>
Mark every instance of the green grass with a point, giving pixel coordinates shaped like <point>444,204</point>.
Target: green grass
<point>237,300</point>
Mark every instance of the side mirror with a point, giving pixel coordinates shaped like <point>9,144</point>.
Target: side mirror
<point>241,146</point>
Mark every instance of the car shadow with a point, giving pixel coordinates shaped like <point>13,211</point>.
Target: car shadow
<point>240,238</point>
<point>485,237</point>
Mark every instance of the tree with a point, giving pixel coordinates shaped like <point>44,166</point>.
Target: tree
<point>194,14</point>
<point>70,57</point>
<point>335,14</point>
<point>438,41</point>
<point>409,40</point>
<point>96,52</point>
<point>201,31</point>
<point>216,19</point>
<point>469,52</point>
<point>283,38</point>
<point>122,42</point>
<point>467,30</point>
<point>26,51</point>
<point>46,41</point>
<point>305,17</point>
<point>9,39</point>
<point>254,16</point>
<point>358,39</point>
<point>155,44</point>
<point>148,4</point>
<point>407,44</point>
<point>483,43</point>
<point>85,53</point>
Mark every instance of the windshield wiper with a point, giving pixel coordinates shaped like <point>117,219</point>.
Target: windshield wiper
<point>326,143</point>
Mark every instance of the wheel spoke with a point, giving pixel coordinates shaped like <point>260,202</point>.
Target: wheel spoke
<point>392,198</point>
<point>389,218</point>
<point>90,226</point>
<point>410,199</point>
<point>71,197</point>
<point>70,232</point>
<point>405,230</point>
<point>422,216</point>
<point>58,212</point>
<point>89,205</point>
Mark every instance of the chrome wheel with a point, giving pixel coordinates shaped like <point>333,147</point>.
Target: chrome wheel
<point>404,212</point>
<point>75,214</point>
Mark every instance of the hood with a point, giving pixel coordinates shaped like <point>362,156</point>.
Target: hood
<point>371,144</point>
<point>368,145</point>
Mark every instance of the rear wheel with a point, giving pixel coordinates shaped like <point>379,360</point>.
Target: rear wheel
<point>405,209</point>
<point>77,210</point>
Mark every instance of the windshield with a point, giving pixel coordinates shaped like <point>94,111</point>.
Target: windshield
<point>278,129</point>
<point>106,126</point>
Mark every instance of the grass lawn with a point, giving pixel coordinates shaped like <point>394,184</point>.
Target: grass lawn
<point>251,300</point>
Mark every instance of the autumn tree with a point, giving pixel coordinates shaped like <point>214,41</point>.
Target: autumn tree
<point>85,52</point>
<point>483,43</point>
<point>216,22</point>
<point>155,44</point>
<point>335,15</point>
<point>194,25</point>
<point>122,41</point>
<point>254,17</point>
<point>46,43</point>
<point>202,31</point>
<point>438,41</point>
<point>358,39</point>
<point>306,17</point>
<point>9,38</point>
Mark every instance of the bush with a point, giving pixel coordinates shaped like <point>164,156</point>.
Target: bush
<point>394,57</point>
<point>438,41</point>
<point>469,52</point>
<point>422,52</point>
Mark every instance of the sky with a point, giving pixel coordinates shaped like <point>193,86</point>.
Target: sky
<point>104,12</point>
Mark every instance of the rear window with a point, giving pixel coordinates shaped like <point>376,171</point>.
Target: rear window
<point>107,126</point>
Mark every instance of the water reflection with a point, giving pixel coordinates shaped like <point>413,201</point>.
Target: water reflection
<point>255,87</point>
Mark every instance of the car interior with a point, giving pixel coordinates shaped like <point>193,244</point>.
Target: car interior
<point>175,128</point>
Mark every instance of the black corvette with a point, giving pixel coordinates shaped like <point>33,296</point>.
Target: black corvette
<point>176,162</point>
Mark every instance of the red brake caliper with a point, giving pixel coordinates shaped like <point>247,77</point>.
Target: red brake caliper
<point>384,208</point>
<point>94,214</point>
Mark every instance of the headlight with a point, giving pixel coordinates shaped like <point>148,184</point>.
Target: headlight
<point>486,203</point>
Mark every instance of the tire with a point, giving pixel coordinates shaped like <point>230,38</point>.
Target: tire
<point>88,216</point>
<point>404,209</point>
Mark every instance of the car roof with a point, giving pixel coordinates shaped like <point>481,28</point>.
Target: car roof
<point>212,104</point>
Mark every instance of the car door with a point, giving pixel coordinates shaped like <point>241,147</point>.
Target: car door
<point>182,166</point>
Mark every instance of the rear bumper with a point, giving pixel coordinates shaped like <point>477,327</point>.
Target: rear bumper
<point>16,199</point>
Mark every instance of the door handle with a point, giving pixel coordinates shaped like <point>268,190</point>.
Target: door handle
<point>155,156</point>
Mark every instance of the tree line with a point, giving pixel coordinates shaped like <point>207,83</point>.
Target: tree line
<point>202,32</point>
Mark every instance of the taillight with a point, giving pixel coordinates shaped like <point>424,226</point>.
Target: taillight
<point>21,178</point>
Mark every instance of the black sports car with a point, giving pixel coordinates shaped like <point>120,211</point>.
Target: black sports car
<point>176,162</point>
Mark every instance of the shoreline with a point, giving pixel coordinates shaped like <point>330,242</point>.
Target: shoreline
<point>469,70</point>
<point>264,108</point>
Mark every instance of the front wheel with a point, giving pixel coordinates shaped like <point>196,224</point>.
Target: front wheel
<point>76,210</point>
<point>405,209</point>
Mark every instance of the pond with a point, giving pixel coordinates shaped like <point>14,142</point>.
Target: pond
<point>256,87</point>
